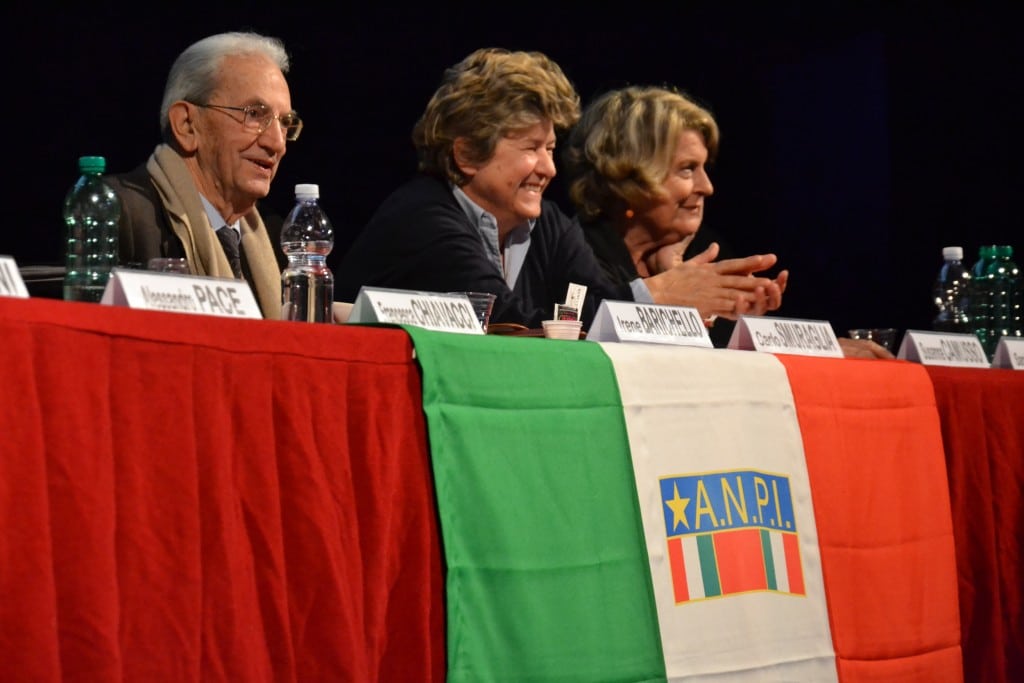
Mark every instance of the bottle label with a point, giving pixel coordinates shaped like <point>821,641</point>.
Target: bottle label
<point>785,335</point>
<point>179,293</point>
<point>433,311</point>
<point>933,348</point>
<point>11,283</point>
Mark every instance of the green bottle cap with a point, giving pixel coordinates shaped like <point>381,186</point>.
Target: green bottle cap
<point>92,164</point>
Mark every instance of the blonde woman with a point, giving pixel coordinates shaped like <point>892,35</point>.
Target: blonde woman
<point>637,162</point>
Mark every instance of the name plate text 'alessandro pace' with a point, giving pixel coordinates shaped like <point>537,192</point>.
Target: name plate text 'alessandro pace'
<point>175,293</point>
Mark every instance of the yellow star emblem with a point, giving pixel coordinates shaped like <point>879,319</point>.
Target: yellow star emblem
<point>678,507</point>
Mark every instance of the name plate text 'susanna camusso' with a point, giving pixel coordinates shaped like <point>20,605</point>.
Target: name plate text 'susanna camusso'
<point>943,348</point>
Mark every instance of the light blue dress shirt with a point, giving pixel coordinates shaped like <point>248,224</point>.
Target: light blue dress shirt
<point>517,243</point>
<point>641,294</point>
<point>216,220</point>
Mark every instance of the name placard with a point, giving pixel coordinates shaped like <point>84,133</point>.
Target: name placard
<point>11,283</point>
<point>785,335</point>
<point>649,323</point>
<point>943,348</point>
<point>1009,353</point>
<point>431,310</point>
<point>176,293</point>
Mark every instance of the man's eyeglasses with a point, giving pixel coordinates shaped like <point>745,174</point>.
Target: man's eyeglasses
<point>258,117</point>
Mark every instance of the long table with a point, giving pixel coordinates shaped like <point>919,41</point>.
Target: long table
<point>187,498</point>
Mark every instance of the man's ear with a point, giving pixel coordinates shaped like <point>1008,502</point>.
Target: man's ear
<point>182,119</point>
<point>463,158</point>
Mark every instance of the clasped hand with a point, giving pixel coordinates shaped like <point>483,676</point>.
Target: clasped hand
<point>726,289</point>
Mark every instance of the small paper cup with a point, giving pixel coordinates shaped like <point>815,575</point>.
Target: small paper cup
<point>562,329</point>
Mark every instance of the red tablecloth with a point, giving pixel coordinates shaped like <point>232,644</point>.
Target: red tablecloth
<point>982,416</point>
<point>191,498</point>
<point>186,498</point>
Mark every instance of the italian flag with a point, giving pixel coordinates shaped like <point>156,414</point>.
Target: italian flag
<point>630,512</point>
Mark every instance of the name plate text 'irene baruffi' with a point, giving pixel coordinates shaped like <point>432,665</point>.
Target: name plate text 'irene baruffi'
<point>785,335</point>
<point>433,311</point>
<point>155,291</point>
<point>651,323</point>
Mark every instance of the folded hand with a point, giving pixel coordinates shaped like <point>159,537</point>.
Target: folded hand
<point>726,288</point>
<point>863,348</point>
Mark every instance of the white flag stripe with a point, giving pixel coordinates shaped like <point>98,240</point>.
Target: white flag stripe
<point>779,561</point>
<point>691,558</point>
<point>682,407</point>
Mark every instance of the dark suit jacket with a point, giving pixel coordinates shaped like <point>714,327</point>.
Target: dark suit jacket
<point>421,239</point>
<point>145,232</point>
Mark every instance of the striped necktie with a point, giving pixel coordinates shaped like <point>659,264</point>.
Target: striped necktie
<point>228,237</point>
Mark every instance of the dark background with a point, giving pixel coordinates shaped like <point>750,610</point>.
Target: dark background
<point>857,139</point>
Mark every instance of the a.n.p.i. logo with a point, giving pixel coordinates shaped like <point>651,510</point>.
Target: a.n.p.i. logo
<point>731,532</point>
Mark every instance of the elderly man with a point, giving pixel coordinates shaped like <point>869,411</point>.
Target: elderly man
<point>226,119</point>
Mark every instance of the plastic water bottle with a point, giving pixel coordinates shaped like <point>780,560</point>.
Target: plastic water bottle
<point>307,284</point>
<point>91,214</point>
<point>951,293</point>
<point>980,293</point>
<point>1005,296</point>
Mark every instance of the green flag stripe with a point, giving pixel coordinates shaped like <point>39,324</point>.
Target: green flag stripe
<point>769,560</point>
<point>708,565</point>
<point>539,587</point>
